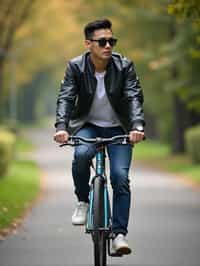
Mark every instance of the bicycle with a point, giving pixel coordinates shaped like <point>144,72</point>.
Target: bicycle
<point>99,218</point>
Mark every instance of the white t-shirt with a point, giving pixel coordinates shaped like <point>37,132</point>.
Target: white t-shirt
<point>101,112</point>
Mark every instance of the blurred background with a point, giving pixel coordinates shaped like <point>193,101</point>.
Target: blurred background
<point>161,37</point>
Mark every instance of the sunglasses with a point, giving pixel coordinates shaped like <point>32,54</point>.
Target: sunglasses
<point>103,41</point>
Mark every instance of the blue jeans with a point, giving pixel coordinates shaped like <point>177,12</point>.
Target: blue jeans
<point>120,159</point>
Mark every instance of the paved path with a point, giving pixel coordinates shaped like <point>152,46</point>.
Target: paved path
<point>164,224</point>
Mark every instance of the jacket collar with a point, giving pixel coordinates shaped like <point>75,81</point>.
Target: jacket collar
<point>91,65</point>
<point>108,77</point>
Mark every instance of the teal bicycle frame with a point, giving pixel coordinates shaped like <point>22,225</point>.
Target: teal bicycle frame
<point>99,173</point>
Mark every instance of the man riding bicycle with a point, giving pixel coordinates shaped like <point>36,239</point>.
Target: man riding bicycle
<point>100,96</point>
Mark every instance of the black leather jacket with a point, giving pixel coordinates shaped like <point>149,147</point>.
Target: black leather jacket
<point>78,89</point>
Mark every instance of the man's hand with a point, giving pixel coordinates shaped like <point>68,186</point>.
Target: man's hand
<point>61,136</point>
<point>136,136</point>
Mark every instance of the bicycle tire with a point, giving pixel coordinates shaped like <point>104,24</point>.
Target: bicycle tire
<point>99,236</point>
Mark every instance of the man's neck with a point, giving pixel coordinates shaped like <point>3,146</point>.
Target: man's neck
<point>99,64</point>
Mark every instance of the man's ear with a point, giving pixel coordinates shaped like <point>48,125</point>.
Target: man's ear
<point>87,44</point>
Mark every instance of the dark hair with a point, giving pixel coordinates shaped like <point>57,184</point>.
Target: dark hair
<point>96,25</point>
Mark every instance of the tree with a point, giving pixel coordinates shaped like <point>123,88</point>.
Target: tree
<point>44,42</point>
<point>187,14</point>
<point>12,16</point>
<point>185,67</point>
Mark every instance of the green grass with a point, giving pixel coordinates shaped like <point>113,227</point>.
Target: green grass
<point>150,150</point>
<point>19,187</point>
<point>23,145</point>
<point>158,155</point>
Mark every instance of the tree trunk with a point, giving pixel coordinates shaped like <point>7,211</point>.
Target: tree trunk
<point>179,110</point>
<point>194,118</point>
<point>180,119</point>
<point>182,116</point>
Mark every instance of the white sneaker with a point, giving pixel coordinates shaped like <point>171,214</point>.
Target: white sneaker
<point>80,214</point>
<point>120,245</point>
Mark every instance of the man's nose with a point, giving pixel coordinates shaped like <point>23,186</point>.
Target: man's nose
<point>107,44</point>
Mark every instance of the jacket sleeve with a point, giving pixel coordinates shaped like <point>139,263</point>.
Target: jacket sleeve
<point>134,97</point>
<point>66,99</point>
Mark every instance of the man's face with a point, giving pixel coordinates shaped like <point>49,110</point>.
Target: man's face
<point>100,50</point>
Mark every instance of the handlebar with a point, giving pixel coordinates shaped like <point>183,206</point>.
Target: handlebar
<point>75,141</point>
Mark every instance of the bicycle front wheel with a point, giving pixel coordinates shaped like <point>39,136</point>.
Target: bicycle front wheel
<point>99,239</point>
<point>99,236</point>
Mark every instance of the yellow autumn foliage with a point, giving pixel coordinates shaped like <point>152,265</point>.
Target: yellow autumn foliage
<point>51,36</point>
